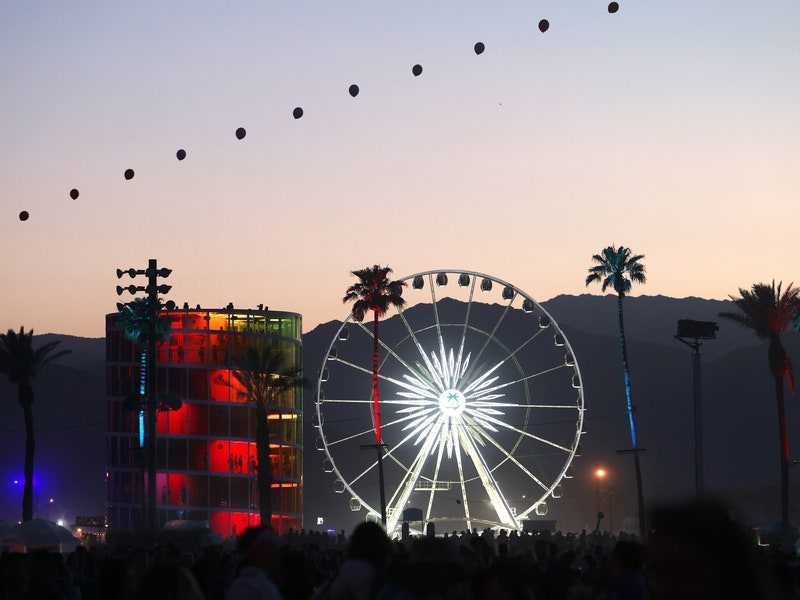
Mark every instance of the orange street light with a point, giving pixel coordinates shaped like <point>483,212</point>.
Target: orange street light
<point>599,474</point>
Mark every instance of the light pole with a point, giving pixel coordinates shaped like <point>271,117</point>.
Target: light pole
<point>696,331</point>
<point>599,474</point>
<point>153,289</point>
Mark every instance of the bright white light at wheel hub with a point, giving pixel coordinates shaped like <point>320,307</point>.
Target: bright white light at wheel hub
<point>451,403</point>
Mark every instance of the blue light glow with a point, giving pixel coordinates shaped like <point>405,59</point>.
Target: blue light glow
<point>142,380</point>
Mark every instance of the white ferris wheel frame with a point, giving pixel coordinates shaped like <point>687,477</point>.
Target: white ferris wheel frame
<point>507,519</point>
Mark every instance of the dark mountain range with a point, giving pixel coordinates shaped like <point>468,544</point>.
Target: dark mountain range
<point>740,419</point>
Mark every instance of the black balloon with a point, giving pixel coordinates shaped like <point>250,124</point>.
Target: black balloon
<point>613,7</point>
<point>297,112</point>
<point>353,90</point>
<point>129,174</point>
<point>181,154</point>
<point>23,216</point>
<point>240,133</point>
<point>73,193</point>
<point>479,48</point>
<point>544,25</point>
<point>416,70</point>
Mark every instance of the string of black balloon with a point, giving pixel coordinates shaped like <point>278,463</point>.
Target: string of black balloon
<point>297,112</point>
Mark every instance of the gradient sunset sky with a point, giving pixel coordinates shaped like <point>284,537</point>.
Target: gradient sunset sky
<point>671,127</point>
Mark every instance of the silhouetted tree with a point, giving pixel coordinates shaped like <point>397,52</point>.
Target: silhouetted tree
<point>21,362</point>
<point>768,312</point>
<point>265,376</point>
<point>619,269</point>
<point>376,292</point>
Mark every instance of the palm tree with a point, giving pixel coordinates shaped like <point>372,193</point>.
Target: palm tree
<point>769,313</point>
<point>376,292</point>
<point>21,363</point>
<point>618,269</point>
<point>141,324</point>
<point>264,375</point>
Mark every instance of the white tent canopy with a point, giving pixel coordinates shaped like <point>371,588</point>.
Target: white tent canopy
<point>39,534</point>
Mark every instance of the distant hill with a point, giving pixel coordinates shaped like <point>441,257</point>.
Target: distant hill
<point>650,318</point>
<point>739,407</point>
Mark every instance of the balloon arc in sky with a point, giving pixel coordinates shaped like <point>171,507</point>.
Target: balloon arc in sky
<point>354,90</point>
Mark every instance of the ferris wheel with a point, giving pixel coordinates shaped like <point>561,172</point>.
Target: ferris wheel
<point>482,405</point>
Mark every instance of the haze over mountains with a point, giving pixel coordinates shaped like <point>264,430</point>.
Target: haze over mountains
<point>739,407</point>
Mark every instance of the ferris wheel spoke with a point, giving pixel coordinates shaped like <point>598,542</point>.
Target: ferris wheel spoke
<point>421,351</point>
<point>466,323</point>
<point>464,501</point>
<point>513,459</point>
<point>447,382</point>
<point>480,393</point>
<point>409,402</point>
<point>490,337</point>
<point>420,391</point>
<point>487,479</point>
<point>389,453</point>
<point>525,343</point>
<point>478,404</point>
<point>416,415</point>
<point>500,423</point>
<point>435,474</point>
<point>409,481</point>
<point>419,375</point>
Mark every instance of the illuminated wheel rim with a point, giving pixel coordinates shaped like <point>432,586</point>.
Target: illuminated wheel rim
<point>482,414</point>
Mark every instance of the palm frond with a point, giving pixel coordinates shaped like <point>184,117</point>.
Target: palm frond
<point>374,291</point>
<point>19,360</point>
<point>616,268</point>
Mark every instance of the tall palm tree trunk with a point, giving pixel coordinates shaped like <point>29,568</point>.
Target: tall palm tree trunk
<point>631,420</point>
<point>26,401</point>
<point>784,455</point>
<point>626,373</point>
<point>376,411</point>
<point>264,476</point>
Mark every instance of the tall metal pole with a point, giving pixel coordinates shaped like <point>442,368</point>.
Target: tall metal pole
<point>379,448</point>
<point>152,296</point>
<point>380,482</point>
<point>698,421</point>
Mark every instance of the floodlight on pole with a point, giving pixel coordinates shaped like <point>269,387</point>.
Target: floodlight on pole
<point>148,373</point>
<point>694,331</point>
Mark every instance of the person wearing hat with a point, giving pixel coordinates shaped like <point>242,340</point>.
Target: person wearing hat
<point>257,546</point>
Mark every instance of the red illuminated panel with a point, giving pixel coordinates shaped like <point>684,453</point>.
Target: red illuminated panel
<point>178,421</point>
<point>225,388</point>
<point>161,422</point>
<point>226,524</point>
<point>177,492</point>
<point>231,457</point>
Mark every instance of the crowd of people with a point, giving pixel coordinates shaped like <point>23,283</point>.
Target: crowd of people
<point>692,552</point>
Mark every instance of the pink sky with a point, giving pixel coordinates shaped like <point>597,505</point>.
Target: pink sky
<point>521,162</point>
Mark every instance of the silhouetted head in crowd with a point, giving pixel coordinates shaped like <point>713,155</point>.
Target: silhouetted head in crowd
<point>257,546</point>
<point>627,556</point>
<point>542,551</point>
<point>505,580</point>
<point>434,567</point>
<point>168,581</point>
<point>14,578</point>
<point>699,551</point>
<point>370,543</point>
